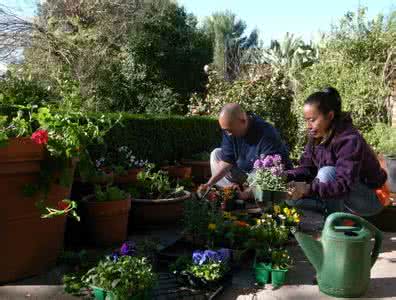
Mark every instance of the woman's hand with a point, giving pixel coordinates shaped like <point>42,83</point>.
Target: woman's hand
<point>297,190</point>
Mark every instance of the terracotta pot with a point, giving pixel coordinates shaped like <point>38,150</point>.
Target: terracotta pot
<point>158,212</point>
<point>29,244</point>
<point>107,221</point>
<point>130,177</point>
<point>200,170</point>
<point>178,171</point>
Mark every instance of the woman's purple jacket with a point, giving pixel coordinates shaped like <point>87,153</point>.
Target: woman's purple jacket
<point>349,153</point>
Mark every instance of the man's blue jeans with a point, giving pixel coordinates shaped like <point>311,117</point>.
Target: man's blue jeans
<point>361,200</point>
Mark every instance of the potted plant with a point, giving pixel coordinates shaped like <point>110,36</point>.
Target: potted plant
<point>155,200</point>
<point>107,214</point>
<point>204,269</point>
<point>280,264</point>
<point>200,166</point>
<point>268,180</point>
<point>37,160</point>
<point>262,266</point>
<point>124,277</point>
<point>126,165</point>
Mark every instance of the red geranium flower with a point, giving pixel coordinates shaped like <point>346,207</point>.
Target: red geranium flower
<point>63,205</point>
<point>40,136</point>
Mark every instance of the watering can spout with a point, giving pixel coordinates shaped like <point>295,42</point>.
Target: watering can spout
<point>312,248</point>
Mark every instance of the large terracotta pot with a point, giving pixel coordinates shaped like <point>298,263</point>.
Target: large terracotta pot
<point>130,177</point>
<point>200,170</point>
<point>179,172</point>
<point>107,221</point>
<point>146,212</point>
<point>29,244</point>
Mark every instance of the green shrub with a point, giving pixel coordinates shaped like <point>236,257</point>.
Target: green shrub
<point>161,138</point>
<point>385,138</point>
<point>269,98</point>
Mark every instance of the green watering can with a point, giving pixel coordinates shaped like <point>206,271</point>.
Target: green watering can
<point>344,256</point>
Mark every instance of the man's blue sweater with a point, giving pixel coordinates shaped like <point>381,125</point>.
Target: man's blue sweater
<point>261,138</point>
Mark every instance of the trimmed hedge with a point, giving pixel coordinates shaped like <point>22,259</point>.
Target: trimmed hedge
<point>163,138</point>
<point>156,138</point>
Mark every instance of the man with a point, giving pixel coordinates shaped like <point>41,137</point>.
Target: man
<point>245,137</point>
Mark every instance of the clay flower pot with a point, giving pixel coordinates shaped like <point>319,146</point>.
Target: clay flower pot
<point>30,244</point>
<point>130,177</point>
<point>158,211</point>
<point>200,170</point>
<point>107,220</point>
<point>179,172</point>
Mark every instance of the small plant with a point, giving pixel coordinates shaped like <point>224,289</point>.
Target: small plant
<point>124,277</point>
<point>109,193</point>
<point>269,174</point>
<point>281,259</point>
<point>156,185</point>
<point>204,267</point>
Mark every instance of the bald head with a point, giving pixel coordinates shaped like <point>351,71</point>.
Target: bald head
<point>233,119</point>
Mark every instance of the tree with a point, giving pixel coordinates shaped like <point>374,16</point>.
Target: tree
<point>229,42</point>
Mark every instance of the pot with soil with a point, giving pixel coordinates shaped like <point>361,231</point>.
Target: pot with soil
<point>107,215</point>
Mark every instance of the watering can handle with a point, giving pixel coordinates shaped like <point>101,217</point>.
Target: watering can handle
<point>377,233</point>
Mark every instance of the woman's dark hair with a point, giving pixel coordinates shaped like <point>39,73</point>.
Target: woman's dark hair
<point>326,100</point>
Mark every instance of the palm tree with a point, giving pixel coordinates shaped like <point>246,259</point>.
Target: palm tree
<point>229,41</point>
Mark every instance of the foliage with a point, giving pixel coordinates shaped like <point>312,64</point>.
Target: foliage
<point>355,58</point>
<point>126,276</point>
<point>65,136</point>
<point>229,43</point>
<point>167,42</point>
<point>208,266</point>
<point>18,90</point>
<point>269,174</point>
<point>281,259</point>
<point>111,193</point>
<point>196,219</point>
<point>387,141</point>
<point>290,56</point>
<point>136,56</point>
<point>156,184</point>
<point>160,138</point>
<point>271,99</point>
<point>374,136</point>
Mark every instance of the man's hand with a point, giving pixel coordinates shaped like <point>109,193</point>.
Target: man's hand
<point>203,188</point>
<point>297,190</point>
<point>245,194</point>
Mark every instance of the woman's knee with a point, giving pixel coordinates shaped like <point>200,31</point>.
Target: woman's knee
<point>326,174</point>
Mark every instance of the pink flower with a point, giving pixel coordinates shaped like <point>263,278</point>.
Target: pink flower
<point>258,164</point>
<point>40,136</point>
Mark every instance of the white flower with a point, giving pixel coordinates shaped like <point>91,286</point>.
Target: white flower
<point>282,217</point>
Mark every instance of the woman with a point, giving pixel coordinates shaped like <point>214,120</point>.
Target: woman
<point>338,170</point>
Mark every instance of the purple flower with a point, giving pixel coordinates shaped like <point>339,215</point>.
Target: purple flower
<point>258,164</point>
<point>268,162</point>
<point>277,159</point>
<point>128,248</point>
<point>212,256</point>
<point>198,257</point>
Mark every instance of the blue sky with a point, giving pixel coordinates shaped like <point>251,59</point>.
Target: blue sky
<point>305,18</point>
<point>274,18</point>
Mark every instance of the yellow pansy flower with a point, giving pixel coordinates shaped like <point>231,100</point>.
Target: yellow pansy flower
<point>212,227</point>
